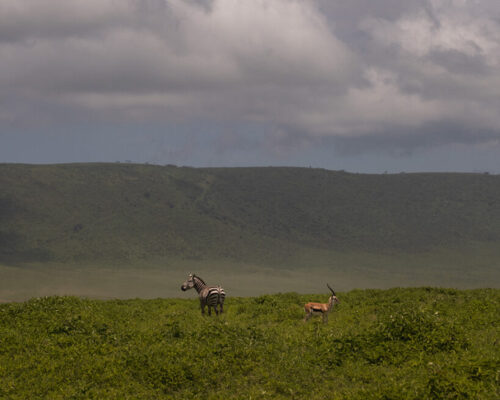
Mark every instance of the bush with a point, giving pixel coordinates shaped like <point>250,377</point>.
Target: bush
<point>394,344</point>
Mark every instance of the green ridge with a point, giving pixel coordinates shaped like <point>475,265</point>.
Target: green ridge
<point>115,213</point>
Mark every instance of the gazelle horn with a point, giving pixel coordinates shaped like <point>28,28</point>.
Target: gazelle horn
<point>331,289</point>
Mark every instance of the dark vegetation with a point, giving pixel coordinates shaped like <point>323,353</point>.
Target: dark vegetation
<point>393,344</point>
<point>114,213</point>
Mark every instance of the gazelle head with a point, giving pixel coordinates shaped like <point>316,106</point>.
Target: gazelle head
<point>333,297</point>
<point>188,284</point>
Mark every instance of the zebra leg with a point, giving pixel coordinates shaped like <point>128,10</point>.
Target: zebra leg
<point>221,308</point>
<point>202,308</point>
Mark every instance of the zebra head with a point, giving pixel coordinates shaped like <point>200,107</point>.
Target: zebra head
<point>189,284</point>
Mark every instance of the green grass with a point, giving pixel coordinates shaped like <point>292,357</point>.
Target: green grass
<point>420,343</point>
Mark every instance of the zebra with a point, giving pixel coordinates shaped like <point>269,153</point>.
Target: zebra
<point>210,296</point>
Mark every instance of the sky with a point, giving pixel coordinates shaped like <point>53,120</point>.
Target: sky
<point>359,85</point>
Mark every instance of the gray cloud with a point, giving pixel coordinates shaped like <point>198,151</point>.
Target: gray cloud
<point>365,74</point>
<point>407,141</point>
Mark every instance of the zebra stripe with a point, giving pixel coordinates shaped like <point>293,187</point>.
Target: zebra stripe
<point>211,296</point>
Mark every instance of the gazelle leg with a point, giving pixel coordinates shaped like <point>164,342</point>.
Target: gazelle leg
<point>306,318</point>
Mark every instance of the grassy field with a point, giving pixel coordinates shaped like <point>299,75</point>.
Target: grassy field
<point>420,343</point>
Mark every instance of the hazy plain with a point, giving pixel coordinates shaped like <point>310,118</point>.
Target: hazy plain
<point>307,274</point>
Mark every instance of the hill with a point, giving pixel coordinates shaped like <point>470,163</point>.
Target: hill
<point>395,344</point>
<point>117,212</point>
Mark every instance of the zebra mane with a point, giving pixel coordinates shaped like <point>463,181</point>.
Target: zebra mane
<point>197,277</point>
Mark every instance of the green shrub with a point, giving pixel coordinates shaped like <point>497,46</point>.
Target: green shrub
<point>393,344</point>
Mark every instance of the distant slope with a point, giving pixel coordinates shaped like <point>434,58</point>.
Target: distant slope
<point>120,212</point>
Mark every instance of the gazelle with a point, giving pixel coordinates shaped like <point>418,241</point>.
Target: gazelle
<point>321,308</point>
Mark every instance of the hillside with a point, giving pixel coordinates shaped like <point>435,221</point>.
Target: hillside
<point>417,344</point>
<point>114,213</point>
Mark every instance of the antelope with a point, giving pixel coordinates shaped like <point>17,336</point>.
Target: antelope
<point>321,308</point>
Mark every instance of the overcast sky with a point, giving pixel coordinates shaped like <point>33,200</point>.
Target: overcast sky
<point>360,85</point>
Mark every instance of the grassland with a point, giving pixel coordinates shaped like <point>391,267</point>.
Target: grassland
<point>420,343</point>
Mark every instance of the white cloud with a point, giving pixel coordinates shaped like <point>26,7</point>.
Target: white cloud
<point>445,62</point>
<point>448,27</point>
